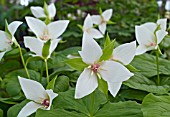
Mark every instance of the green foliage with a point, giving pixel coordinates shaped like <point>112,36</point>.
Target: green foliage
<point>156,106</point>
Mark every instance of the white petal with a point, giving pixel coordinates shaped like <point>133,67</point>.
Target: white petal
<point>114,72</point>
<point>34,44</point>
<point>125,52</point>
<point>57,28</point>
<point>53,45</point>
<point>87,22</point>
<point>160,34</point>
<point>95,33</point>
<point>51,95</point>
<point>141,49</point>
<point>86,83</point>
<point>107,14</point>
<point>4,41</point>
<point>2,54</point>
<point>13,26</point>
<point>102,28</point>
<point>114,87</point>
<point>51,10</point>
<point>91,51</point>
<point>29,109</point>
<point>36,25</point>
<point>162,23</point>
<point>38,12</point>
<point>151,26</point>
<point>33,90</point>
<point>96,19</point>
<point>144,36</point>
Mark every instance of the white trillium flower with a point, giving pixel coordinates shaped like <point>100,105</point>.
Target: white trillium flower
<point>38,12</point>
<point>6,40</point>
<point>124,53</point>
<point>102,19</point>
<point>40,98</point>
<point>148,36</point>
<point>45,32</point>
<point>110,71</point>
<point>36,45</point>
<point>89,30</point>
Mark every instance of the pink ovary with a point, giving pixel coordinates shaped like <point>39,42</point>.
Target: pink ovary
<point>95,67</point>
<point>46,103</point>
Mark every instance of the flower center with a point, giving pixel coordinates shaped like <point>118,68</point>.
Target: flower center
<point>45,37</point>
<point>152,44</point>
<point>46,103</point>
<point>95,67</point>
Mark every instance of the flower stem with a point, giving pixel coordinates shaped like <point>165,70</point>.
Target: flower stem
<point>92,103</point>
<point>46,66</point>
<point>23,61</point>
<point>157,63</point>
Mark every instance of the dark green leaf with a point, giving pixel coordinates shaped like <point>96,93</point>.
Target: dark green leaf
<point>156,106</point>
<point>102,86</point>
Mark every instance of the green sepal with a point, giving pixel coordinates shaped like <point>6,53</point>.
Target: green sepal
<point>107,51</point>
<point>100,11</point>
<point>45,49</point>
<point>76,63</point>
<point>51,84</point>
<point>46,9</point>
<point>111,22</point>
<point>80,26</point>
<point>7,30</point>
<point>102,85</point>
<point>107,41</point>
<point>132,68</point>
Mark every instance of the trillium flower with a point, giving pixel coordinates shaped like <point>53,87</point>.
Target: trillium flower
<point>40,98</point>
<point>45,32</point>
<point>40,12</point>
<point>89,30</point>
<point>102,19</point>
<point>36,45</point>
<point>124,53</point>
<point>7,38</point>
<point>110,71</point>
<point>149,35</point>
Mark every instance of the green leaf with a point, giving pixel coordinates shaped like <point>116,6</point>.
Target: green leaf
<point>1,113</point>
<point>58,113</point>
<point>76,63</point>
<point>107,51</point>
<point>148,65</point>
<point>7,30</point>
<point>131,68</point>
<point>46,9</point>
<point>36,58</point>
<point>102,86</point>
<point>61,84</point>
<point>120,109</point>
<point>138,81</point>
<point>66,101</point>
<point>14,110</point>
<point>156,106</point>
<point>46,49</point>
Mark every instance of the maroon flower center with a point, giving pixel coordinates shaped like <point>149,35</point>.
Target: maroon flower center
<point>95,67</point>
<point>46,103</point>
<point>152,44</point>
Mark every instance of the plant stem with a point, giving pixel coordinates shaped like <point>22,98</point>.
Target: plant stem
<point>157,63</point>
<point>46,66</point>
<point>92,104</point>
<point>23,61</point>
